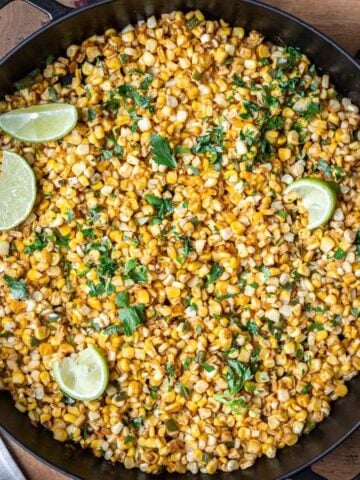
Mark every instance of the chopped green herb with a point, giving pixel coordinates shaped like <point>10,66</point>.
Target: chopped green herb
<point>94,214</point>
<point>306,388</point>
<point>235,405</point>
<point>192,22</point>
<point>145,84</point>
<point>281,214</point>
<point>18,288</point>
<point>339,254</point>
<point>252,327</point>
<point>266,273</point>
<point>238,82</point>
<point>52,94</point>
<point>357,243</point>
<point>194,170</point>
<point>112,330</point>
<point>40,242</point>
<point>236,376</point>
<point>170,370</point>
<point>124,58</point>
<point>324,167</point>
<point>188,362</point>
<point>35,342</point>
<point>131,318</point>
<point>184,391</point>
<point>163,206</point>
<point>207,367</point>
<point>128,91</point>
<point>91,114</point>
<point>122,299</point>
<point>220,298</point>
<point>49,59</point>
<point>316,326</point>
<point>134,272</point>
<point>171,425</point>
<point>211,144</point>
<point>88,233</point>
<point>128,439</point>
<point>162,153</point>
<point>215,272</point>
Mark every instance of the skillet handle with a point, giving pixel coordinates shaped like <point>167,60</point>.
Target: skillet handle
<point>306,474</point>
<point>50,7</point>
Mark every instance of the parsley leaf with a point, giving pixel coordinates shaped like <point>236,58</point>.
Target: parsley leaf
<point>252,327</point>
<point>357,244</point>
<point>160,148</point>
<point>211,144</point>
<point>215,272</point>
<point>40,242</point>
<point>128,91</point>
<point>339,254</point>
<point>18,288</point>
<point>144,85</point>
<point>131,318</point>
<point>237,375</point>
<point>112,330</point>
<point>306,388</point>
<point>134,272</point>
<point>237,81</point>
<point>162,206</point>
<point>122,299</point>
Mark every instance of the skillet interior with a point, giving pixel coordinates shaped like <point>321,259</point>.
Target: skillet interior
<point>280,28</point>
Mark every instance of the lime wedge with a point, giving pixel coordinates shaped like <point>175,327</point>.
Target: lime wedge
<point>39,123</point>
<point>84,377</point>
<point>318,198</point>
<point>17,190</point>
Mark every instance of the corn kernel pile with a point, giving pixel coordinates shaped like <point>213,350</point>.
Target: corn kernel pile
<point>249,322</point>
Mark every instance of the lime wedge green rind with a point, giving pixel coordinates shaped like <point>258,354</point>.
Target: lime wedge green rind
<point>318,198</point>
<point>85,377</point>
<point>17,190</point>
<point>40,123</point>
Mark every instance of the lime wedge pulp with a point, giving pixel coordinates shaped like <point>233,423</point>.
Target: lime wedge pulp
<point>39,123</point>
<point>84,377</point>
<point>17,190</point>
<point>318,198</point>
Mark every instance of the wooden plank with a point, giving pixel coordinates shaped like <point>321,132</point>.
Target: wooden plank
<point>337,18</point>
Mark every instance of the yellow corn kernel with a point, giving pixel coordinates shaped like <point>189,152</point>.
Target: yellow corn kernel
<point>284,154</point>
<point>142,296</point>
<point>18,378</point>
<point>172,292</point>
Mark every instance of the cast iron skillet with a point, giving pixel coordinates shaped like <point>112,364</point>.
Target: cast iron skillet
<point>72,27</point>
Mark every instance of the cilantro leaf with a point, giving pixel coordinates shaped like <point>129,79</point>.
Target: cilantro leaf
<point>122,299</point>
<point>163,206</point>
<point>215,272</point>
<point>134,272</point>
<point>128,91</point>
<point>339,254</point>
<point>40,242</point>
<point>18,288</point>
<point>131,318</point>
<point>160,148</point>
<point>252,327</point>
<point>237,375</point>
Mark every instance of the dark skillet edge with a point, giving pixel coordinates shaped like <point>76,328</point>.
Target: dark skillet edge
<point>290,450</point>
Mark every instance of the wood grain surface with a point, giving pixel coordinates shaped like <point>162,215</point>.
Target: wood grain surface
<point>340,19</point>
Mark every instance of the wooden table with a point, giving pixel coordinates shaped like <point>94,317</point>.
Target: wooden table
<point>340,19</point>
